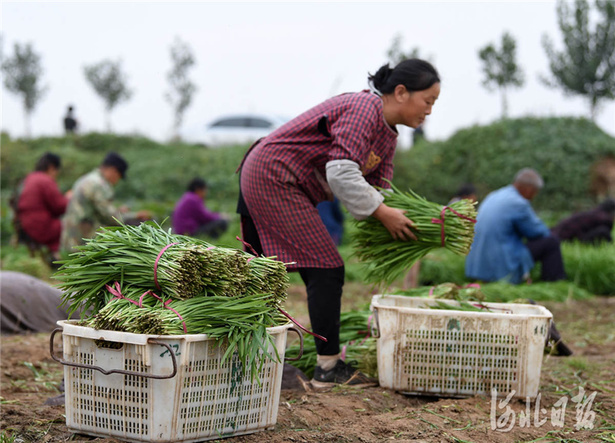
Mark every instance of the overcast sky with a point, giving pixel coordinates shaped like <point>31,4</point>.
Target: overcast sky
<point>279,58</point>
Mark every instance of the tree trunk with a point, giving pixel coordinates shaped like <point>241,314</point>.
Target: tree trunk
<point>177,122</point>
<point>593,103</point>
<point>504,103</point>
<point>108,121</point>
<point>28,125</point>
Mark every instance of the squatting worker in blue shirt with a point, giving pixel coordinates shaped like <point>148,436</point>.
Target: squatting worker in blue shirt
<point>509,236</point>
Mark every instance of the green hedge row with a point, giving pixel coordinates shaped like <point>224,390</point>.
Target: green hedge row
<point>157,173</point>
<point>561,149</point>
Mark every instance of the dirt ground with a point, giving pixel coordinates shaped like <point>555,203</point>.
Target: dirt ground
<point>29,376</point>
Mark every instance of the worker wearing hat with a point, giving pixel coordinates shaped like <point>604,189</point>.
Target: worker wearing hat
<point>91,205</point>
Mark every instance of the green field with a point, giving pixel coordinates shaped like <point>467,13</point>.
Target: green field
<point>159,173</point>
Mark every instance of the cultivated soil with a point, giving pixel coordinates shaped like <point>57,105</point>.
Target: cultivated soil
<point>29,377</point>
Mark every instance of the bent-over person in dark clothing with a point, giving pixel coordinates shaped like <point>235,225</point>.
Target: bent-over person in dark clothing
<point>591,226</point>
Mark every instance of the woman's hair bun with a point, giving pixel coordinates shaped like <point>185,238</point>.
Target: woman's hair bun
<point>414,74</point>
<point>379,79</point>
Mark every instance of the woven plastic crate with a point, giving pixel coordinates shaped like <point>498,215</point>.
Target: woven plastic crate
<point>149,388</point>
<point>459,353</point>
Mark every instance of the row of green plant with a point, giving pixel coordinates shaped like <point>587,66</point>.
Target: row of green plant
<point>590,267</point>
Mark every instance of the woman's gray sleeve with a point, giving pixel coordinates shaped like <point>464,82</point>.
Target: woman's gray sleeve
<point>350,187</point>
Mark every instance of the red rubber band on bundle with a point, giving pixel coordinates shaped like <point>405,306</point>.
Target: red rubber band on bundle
<point>247,245</point>
<point>156,263</point>
<point>164,304</point>
<point>472,285</point>
<point>295,322</point>
<point>440,221</point>
<point>117,293</point>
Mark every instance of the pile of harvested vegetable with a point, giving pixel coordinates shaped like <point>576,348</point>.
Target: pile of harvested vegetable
<point>502,292</point>
<point>435,226</point>
<point>145,280</point>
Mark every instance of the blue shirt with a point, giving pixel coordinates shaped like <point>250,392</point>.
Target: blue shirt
<point>504,219</point>
<point>333,218</point>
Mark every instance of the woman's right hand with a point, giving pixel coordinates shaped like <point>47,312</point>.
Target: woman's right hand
<point>395,221</point>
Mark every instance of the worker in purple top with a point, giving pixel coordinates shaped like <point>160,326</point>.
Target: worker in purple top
<point>342,148</point>
<point>191,217</point>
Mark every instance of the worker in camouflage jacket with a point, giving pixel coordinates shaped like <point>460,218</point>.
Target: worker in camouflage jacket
<point>91,205</point>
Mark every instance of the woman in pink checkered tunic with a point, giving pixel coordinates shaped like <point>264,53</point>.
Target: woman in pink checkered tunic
<point>342,147</point>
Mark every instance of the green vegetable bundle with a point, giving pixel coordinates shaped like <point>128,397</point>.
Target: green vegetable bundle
<point>240,322</point>
<point>435,226</point>
<point>175,266</point>
<point>144,280</point>
<point>267,276</point>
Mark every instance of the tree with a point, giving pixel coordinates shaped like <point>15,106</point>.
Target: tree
<point>501,69</point>
<point>22,76</point>
<point>109,82</point>
<point>182,89</point>
<point>586,65</point>
<point>395,54</point>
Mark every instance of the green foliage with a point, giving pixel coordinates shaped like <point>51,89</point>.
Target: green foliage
<point>560,149</point>
<point>109,82</point>
<point>588,267</point>
<point>5,437</point>
<point>22,75</point>
<point>500,67</point>
<point>18,259</point>
<point>157,174</point>
<point>586,65</point>
<point>487,156</point>
<point>182,89</point>
<point>442,266</point>
<point>591,267</point>
<point>395,53</point>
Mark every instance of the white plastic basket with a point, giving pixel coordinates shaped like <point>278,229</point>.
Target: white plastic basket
<point>149,388</point>
<point>459,353</point>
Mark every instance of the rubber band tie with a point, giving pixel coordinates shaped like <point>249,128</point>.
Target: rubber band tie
<point>440,221</point>
<point>247,245</point>
<point>287,315</point>
<point>165,304</point>
<point>156,263</point>
<point>117,293</point>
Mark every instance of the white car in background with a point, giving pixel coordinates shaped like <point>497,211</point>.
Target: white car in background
<point>237,129</point>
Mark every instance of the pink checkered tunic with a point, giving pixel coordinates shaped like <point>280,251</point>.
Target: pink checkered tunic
<point>282,177</point>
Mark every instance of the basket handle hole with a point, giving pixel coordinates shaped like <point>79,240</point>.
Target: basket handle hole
<point>105,344</point>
